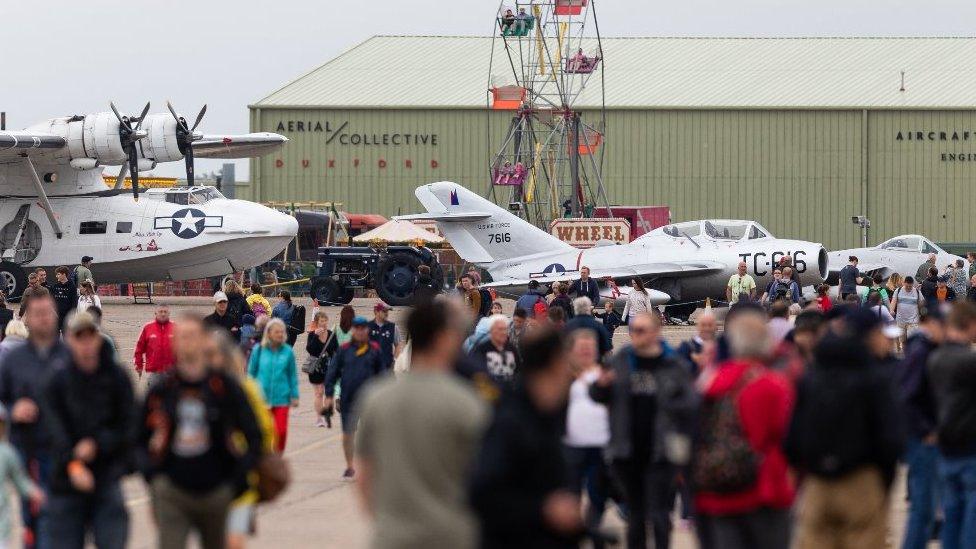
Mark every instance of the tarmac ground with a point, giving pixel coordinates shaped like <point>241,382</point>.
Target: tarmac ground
<point>319,509</point>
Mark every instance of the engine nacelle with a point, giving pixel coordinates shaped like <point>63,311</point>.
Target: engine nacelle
<point>101,139</point>
<point>161,144</point>
<point>96,137</point>
<point>145,165</point>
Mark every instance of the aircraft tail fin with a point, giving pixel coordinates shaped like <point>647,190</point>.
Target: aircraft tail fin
<point>480,231</point>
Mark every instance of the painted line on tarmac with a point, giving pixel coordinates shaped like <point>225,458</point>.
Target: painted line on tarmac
<point>308,447</point>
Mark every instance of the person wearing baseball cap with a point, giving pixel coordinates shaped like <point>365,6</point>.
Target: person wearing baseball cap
<point>385,333</point>
<point>357,362</point>
<point>221,318</point>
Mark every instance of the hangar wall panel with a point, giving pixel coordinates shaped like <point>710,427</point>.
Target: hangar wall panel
<point>799,172</point>
<point>926,185</point>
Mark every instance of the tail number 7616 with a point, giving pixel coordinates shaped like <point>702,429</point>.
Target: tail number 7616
<point>498,238</point>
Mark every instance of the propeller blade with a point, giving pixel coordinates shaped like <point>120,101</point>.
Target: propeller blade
<point>188,157</point>
<point>203,111</point>
<point>142,116</point>
<point>134,168</point>
<point>180,121</point>
<point>116,111</point>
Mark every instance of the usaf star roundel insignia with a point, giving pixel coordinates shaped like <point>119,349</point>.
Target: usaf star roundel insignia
<point>188,222</point>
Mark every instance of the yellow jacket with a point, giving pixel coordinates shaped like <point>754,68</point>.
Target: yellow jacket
<point>266,423</point>
<point>258,298</point>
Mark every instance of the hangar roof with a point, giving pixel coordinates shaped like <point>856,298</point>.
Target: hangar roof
<point>667,73</point>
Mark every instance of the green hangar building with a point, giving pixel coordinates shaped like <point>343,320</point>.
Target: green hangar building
<point>800,134</point>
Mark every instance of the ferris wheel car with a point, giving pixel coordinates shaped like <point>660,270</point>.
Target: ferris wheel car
<point>569,7</point>
<point>509,175</point>
<point>582,64</point>
<point>519,26</point>
<point>507,98</point>
<point>589,141</point>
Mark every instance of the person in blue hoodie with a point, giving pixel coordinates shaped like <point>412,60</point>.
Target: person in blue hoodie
<point>272,365</point>
<point>534,295</point>
<point>357,361</point>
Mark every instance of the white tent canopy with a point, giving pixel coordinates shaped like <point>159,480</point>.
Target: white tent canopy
<point>398,230</point>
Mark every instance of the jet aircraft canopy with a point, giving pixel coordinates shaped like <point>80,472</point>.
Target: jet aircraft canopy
<point>731,230</point>
<point>911,243</point>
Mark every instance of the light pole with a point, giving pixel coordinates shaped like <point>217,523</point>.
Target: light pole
<point>864,223</point>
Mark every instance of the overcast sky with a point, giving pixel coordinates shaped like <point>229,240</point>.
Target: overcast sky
<point>66,57</point>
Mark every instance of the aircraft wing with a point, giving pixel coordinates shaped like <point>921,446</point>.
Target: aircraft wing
<point>15,144</point>
<point>622,274</point>
<point>238,146</point>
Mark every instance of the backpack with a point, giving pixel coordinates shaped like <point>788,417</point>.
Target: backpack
<point>724,461</point>
<point>297,319</point>
<point>486,301</point>
<point>541,308</point>
<point>73,277</point>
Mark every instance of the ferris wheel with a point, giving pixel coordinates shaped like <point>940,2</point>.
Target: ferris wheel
<point>549,162</point>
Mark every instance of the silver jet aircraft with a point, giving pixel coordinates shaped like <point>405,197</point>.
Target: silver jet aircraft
<point>683,263</point>
<point>901,254</point>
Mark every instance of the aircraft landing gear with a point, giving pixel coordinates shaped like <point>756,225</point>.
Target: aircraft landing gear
<point>13,279</point>
<point>679,314</point>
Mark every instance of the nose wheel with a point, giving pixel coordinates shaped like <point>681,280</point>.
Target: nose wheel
<point>13,280</point>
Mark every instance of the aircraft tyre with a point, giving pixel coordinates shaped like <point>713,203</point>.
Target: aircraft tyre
<point>396,278</point>
<point>327,291</point>
<point>13,279</point>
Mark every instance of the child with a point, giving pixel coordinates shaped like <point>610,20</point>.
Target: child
<point>823,299</point>
<point>247,332</point>
<point>257,302</point>
<point>611,320</point>
<point>12,471</point>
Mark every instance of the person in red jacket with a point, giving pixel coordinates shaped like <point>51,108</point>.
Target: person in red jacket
<point>759,515</point>
<point>154,350</point>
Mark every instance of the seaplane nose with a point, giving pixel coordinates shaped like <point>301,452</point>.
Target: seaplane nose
<point>288,225</point>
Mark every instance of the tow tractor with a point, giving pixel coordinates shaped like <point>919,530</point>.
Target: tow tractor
<point>391,271</point>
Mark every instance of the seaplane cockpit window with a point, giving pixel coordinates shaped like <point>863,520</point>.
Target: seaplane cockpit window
<point>726,230</point>
<point>178,197</point>
<point>755,232</point>
<point>204,195</point>
<point>928,247</point>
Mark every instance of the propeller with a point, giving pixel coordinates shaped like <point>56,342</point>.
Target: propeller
<point>128,135</point>
<point>185,136</point>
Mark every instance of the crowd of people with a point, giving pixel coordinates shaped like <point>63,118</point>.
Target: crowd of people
<point>466,426</point>
<point>207,435</point>
<point>786,428</point>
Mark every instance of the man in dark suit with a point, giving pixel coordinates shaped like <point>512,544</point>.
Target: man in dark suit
<point>586,287</point>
